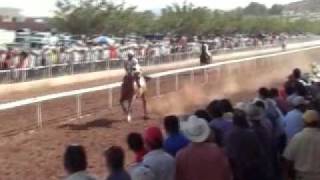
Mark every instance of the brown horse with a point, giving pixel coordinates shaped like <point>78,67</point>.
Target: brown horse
<point>131,91</point>
<point>205,57</point>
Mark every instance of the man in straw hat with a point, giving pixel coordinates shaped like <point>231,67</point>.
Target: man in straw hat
<point>303,152</point>
<point>200,159</point>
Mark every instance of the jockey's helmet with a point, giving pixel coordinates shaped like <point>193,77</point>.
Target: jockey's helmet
<point>130,53</point>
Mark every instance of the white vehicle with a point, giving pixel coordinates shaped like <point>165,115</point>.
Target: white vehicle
<point>6,36</point>
<point>23,38</point>
<point>40,39</point>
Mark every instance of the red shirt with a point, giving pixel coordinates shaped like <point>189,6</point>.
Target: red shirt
<point>203,161</point>
<point>140,154</point>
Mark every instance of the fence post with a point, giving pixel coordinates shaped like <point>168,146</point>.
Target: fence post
<point>206,76</point>
<point>192,76</point>
<point>177,81</point>
<point>50,71</point>
<point>79,108</point>
<point>158,86</point>
<point>39,115</point>
<point>110,98</point>
<point>108,64</point>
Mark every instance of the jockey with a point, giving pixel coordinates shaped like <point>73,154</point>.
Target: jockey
<point>205,57</point>
<point>133,68</point>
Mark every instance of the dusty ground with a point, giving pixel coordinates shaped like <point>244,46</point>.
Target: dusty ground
<point>37,154</point>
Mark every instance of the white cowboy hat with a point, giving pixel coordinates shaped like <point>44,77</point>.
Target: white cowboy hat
<point>254,113</point>
<point>195,129</point>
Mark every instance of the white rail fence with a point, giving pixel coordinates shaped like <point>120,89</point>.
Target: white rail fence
<point>156,78</point>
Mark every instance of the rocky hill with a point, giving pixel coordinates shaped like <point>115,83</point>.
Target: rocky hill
<point>304,6</point>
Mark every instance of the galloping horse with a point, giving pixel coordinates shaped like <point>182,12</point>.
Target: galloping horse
<point>205,57</point>
<point>130,91</point>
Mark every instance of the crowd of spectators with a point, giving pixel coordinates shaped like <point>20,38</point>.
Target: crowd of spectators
<point>274,136</point>
<point>88,52</point>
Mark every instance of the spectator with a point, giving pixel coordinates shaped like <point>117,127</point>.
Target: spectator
<point>8,59</point>
<point>75,163</point>
<point>255,116</point>
<point>293,121</point>
<point>265,122</point>
<point>203,114</point>
<point>161,163</point>
<point>244,151</point>
<point>142,172</point>
<point>115,163</point>
<point>216,132</point>
<point>201,160</point>
<point>224,125</point>
<point>303,152</point>
<point>136,144</point>
<point>280,102</point>
<point>226,108</point>
<point>175,140</point>
<point>23,60</point>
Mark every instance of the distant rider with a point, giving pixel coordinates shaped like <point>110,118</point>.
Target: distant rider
<point>283,41</point>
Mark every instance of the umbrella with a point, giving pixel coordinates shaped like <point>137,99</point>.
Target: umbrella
<point>104,40</point>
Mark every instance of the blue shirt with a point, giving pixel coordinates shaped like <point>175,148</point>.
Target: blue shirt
<point>224,125</point>
<point>174,143</point>
<point>293,123</point>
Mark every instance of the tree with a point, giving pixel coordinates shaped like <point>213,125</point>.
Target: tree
<point>93,17</point>
<point>256,9</point>
<point>276,9</point>
<point>105,17</point>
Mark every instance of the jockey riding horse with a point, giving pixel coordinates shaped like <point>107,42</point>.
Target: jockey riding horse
<point>205,57</point>
<point>133,86</point>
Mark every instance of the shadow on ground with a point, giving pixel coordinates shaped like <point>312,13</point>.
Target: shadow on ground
<point>97,123</point>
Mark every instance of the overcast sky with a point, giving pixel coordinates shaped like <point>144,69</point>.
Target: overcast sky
<point>46,7</point>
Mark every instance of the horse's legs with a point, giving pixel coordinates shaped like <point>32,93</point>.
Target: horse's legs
<point>145,108</point>
<point>125,110</point>
<point>129,112</point>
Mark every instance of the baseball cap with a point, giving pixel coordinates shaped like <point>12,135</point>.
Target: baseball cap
<point>152,134</point>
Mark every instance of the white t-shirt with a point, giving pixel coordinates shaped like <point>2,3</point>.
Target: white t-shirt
<point>81,175</point>
<point>131,65</point>
<point>161,164</point>
<point>304,151</point>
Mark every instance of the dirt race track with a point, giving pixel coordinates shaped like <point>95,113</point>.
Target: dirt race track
<point>36,154</point>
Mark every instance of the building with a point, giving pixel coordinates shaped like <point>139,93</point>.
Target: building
<point>11,19</point>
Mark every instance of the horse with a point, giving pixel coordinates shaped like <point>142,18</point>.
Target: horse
<point>130,91</point>
<point>205,57</point>
<point>284,46</point>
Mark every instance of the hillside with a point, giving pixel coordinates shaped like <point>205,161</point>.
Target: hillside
<point>304,6</point>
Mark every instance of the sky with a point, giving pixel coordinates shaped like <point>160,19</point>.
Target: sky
<point>46,7</point>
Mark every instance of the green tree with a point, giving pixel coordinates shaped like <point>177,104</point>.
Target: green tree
<point>276,9</point>
<point>256,9</point>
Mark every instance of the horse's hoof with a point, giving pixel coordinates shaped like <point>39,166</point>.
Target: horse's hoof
<point>129,118</point>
